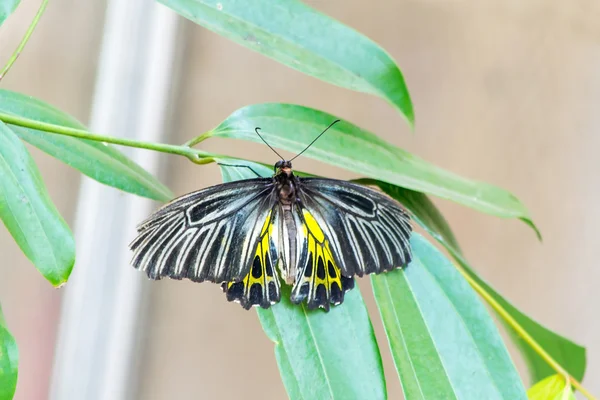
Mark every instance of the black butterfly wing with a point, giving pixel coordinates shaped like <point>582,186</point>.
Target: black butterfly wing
<point>260,286</point>
<point>211,234</point>
<point>367,231</point>
<point>319,279</point>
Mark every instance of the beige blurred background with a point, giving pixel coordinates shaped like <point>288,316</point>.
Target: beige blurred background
<point>504,91</point>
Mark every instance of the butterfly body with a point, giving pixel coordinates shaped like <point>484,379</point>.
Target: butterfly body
<point>312,233</point>
<point>285,182</point>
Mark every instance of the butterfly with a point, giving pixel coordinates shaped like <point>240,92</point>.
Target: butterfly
<point>251,236</point>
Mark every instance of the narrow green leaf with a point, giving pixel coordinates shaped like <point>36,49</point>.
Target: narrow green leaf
<point>443,340</point>
<point>9,361</point>
<point>29,214</point>
<point>552,388</point>
<point>292,127</point>
<point>567,353</point>
<point>7,7</point>
<point>326,355</point>
<point>417,360</point>
<point>97,160</point>
<point>320,355</point>
<point>292,33</point>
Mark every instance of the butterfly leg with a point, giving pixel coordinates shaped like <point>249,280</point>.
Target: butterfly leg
<point>241,166</point>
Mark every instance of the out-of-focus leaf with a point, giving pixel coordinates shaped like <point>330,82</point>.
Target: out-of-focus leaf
<point>9,361</point>
<point>292,127</point>
<point>97,160</point>
<point>444,342</point>
<point>320,355</point>
<point>7,7</point>
<point>29,214</point>
<point>292,33</point>
<point>570,355</point>
<point>552,388</point>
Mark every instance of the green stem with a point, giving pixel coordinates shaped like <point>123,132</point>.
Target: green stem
<point>25,39</point>
<point>196,156</point>
<point>196,140</point>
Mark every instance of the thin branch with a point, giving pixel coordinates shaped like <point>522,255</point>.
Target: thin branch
<point>196,156</point>
<point>25,39</point>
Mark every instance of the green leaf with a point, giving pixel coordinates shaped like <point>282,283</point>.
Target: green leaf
<point>444,342</point>
<point>320,355</point>
<point>9,361</point>
<point>292,33</point>
<point>7,7</point>
<point>30,215</point>
<point>292,127</point>
<point>567,353</point>
<point>552,388</point>
<point>326,355</point>
<point>97,160</point>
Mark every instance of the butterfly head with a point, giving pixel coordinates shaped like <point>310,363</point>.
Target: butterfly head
<point>283,166</point>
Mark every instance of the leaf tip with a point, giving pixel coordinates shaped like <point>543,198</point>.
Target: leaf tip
<point>530,223</point>
<point>59,277</point>
<point>411,125</point>
<point>406,110</point>
<point>165,197</point>
<point>58,281</point>
<point>59,284</point>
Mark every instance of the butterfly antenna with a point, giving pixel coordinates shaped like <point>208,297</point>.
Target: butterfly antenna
<point>263,139</point>
<point>311,143</point>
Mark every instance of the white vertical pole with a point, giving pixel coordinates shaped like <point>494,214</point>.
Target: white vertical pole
<point>101,311</point>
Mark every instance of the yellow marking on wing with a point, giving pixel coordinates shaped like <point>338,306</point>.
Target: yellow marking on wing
<point>267,225</point>
<point>263,255</point>
<point>321,251</point>
<point>313,226</point>
<point>312,229</point>
<point>318,247</point>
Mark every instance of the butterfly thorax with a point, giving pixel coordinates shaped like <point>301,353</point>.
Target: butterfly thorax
<point>285,182</point>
